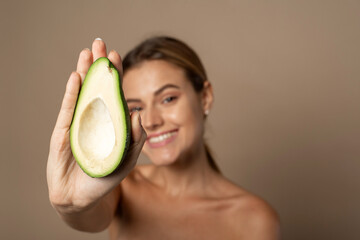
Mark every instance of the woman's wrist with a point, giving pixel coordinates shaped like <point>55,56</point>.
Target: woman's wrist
<point>93,217</point>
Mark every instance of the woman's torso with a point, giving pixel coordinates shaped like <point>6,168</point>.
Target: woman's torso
<point>145,212</point>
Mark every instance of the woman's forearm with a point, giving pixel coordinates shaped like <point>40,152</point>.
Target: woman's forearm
<point>91,219</point>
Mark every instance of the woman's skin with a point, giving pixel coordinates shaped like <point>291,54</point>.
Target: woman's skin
<point>179,196</point>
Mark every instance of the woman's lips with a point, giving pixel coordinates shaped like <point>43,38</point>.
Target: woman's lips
<point>161,139</point>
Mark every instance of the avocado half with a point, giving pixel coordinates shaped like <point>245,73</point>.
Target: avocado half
<point>100,129</point>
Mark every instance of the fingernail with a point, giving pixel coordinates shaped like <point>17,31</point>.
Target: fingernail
<point>98,39</point>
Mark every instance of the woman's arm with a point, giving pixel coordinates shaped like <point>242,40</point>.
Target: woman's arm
<point>95,218</point>
<point>83,202</point>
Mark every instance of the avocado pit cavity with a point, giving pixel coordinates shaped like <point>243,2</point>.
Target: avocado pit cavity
<point>96,132</point>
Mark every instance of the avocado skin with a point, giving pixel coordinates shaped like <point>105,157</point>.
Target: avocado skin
<point>126,115</point>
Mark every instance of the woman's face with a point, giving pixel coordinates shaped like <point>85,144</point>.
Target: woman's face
<point>172,112</point>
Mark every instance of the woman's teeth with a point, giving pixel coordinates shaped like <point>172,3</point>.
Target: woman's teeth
<point>161,137</point>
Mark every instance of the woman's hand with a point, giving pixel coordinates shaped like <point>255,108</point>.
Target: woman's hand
<point>70,189</point>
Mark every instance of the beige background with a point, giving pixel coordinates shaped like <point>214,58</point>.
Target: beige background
<point>285,123</point>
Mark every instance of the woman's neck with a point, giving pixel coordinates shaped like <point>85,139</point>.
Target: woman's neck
<point>190,176</point>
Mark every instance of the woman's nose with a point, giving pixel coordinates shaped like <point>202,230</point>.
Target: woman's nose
<point>151,118</point>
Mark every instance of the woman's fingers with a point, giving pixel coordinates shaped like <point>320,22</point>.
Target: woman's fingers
<point>69,101</point>
<point>84,62</point>
<point>98,49</point>
<point>115,58</point>
<point>86,58</point>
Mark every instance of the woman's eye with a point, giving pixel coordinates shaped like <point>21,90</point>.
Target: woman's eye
<point>135,109</point>
<point>169,99</point>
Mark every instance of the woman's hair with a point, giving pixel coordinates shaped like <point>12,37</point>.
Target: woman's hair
<point>178,53</point>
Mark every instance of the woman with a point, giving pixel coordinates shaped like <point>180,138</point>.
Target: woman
<point>182,195</point>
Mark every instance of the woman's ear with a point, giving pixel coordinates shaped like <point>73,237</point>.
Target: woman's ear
<point>207,98</point>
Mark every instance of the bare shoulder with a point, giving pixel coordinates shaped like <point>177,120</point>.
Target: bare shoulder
<point>254,217</point>
<point>261,219</point>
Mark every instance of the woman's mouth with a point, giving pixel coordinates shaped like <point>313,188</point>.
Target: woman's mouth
<point>159,140</point>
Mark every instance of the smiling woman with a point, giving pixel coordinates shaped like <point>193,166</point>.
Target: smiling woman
<point>173,53</point>
<point>182,194</point>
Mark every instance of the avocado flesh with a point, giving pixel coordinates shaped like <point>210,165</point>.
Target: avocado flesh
<point>100,130</point>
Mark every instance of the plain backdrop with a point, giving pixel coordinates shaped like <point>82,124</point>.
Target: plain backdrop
<point>285,123</point>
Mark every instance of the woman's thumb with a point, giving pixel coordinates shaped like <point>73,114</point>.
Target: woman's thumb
<point>138,133</point>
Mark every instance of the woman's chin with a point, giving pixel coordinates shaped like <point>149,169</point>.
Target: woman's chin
<point>160,155</point>
<point>162,160</point>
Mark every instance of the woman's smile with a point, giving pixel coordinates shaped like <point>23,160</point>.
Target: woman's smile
<point>161,139</point>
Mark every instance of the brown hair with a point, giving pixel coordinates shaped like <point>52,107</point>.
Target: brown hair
<point>178,53</point>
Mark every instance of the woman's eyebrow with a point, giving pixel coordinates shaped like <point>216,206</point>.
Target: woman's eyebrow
<point>157,92</point>
<point>132,100</point>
